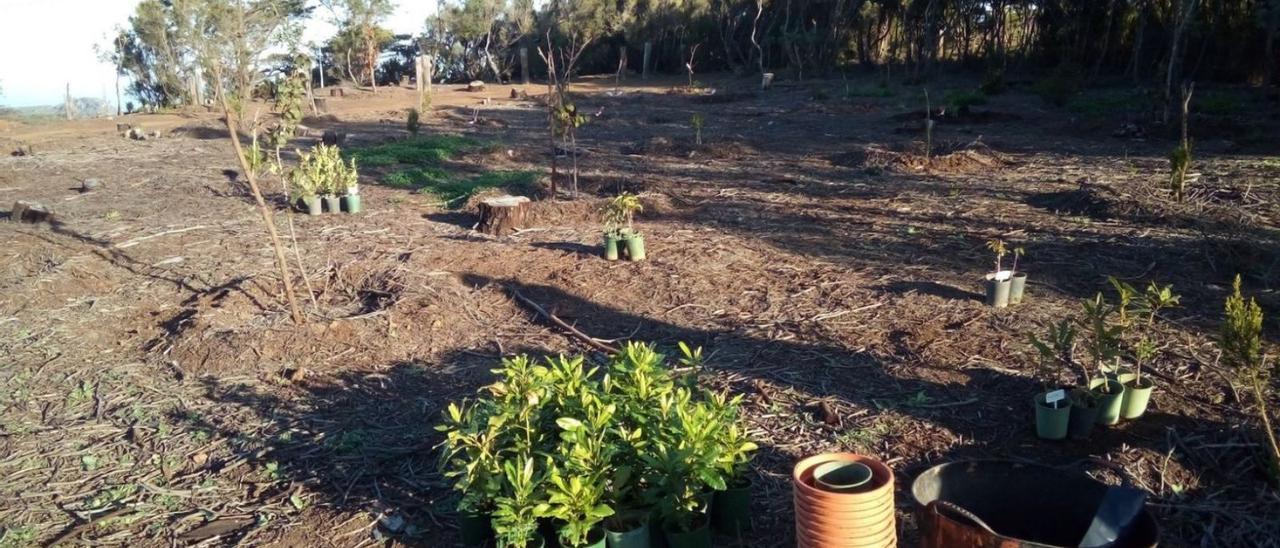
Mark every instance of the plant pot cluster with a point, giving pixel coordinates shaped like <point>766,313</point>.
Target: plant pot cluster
<point>323,182</point>
<point>568,453</point>
<point>843,500</point>
<point>1118,340</point>
<point>621,240</point>
<point>1004,287</point>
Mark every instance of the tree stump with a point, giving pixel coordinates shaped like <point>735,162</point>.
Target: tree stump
<point>322,105</point>
<point>475,85</point>
<point>333,138</point>
<point>336,92</point>
<point>29,212</point>
<point>503,215</point>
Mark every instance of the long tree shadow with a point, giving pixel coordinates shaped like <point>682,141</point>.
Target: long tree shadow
<point>362,440</point>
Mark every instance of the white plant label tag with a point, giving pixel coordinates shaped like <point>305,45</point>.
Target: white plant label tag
<point>1055,396</point>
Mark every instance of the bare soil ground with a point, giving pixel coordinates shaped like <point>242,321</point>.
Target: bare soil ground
<point>155,392</point>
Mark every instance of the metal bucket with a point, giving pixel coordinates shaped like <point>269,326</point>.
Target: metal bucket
<point>1014,505</point>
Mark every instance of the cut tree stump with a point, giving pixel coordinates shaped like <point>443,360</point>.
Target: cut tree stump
<point>336,92</point>
<point>475,85</point>
<point>29,212</point>
<point>503,215</point>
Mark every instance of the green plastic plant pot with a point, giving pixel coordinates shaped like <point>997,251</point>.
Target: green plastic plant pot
<point>595,539</point>
<point>1136,395</point>
<point>635,247</point>
<point>1052,423</point>
<point>731,508</point>
<point>353,203</point>
<point>610,247</point>
<point>1017,286</point>
<point>475,529</point>
<point>1109,402</point>
<point>997,290</point>
<point>629,532</point>
<point>1082,420</point>
<point>313,204</point>
<point>332,204</point>
<point>698,537</point>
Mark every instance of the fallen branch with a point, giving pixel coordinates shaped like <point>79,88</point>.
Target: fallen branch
<point>572,330</point>
<point>78,528</point>
<point>141,239</point>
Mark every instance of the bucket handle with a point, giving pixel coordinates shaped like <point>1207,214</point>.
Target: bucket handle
<point>955,510</point>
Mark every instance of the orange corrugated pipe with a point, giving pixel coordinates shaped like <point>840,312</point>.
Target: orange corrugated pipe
<point>862,517</point>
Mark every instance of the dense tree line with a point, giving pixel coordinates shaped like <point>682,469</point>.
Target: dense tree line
<point>1157,41</point>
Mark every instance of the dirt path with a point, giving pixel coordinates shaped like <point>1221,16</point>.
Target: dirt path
<point>157,388</point>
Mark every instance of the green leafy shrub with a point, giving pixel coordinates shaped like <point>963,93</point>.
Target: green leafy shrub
<point>322,172</point>
<point>578,443</point>
<point>1061,85</point>
<point>432,150</point>
<point>1242,351</point>
<point>964,99</point>
<point>414,122</point>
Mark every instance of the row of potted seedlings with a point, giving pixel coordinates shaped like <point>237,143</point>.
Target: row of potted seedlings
<point>1117,339</point>
<point>322,181</point>
<point>568,453</point>
<point>620,237</point>
<point>1004,287</point>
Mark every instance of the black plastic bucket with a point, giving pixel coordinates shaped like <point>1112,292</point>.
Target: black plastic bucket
<point>1021,505</point>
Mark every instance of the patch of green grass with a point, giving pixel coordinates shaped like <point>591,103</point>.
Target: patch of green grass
<point>963,99</point>
<point>416,178</point>
<point>452,189</point>
<point>1220,103</point>
<point>18,536</point>
<point>1106,103</point>
<point>425,151</point>
<point>868,91</point>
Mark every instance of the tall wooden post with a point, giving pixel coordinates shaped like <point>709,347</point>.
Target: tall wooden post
<point>428,65</point>
<point>67,103</point>
<point>648,50</point>
<point>524,65</point>
<point>622,63</point>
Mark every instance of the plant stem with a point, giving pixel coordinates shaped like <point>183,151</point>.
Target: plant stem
<point>281,262</point>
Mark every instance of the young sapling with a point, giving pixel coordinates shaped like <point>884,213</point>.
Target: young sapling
<point>698,121</point>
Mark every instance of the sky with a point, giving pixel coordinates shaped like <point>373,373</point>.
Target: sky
<point>65,31</point>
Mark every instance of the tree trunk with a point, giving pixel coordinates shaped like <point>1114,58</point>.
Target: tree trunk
<point>1175,55</point>
<point>648,51</point>
<point>503,215</point>
<point>267,219</point>
<point>524,65</point>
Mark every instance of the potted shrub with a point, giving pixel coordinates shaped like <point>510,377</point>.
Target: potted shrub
<point>682,464</point>
<point>1103,345</point>
<point>998,283</point>
<point>303,185</point>
<point>626,205</point>
<point>1018,281</point>
<point>1138,388</point>
<point>516,513</point>
<point>613,219</point>
<point>470,458</point>
<point>1053,407</point>
<point>731,506</point>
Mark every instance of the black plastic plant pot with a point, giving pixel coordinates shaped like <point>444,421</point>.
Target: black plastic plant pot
<point>1052,421</point>
<point>475,529</point>
<point>611,247</point>
<point>332,204</point>
<point>628,531</point>
<point>1017,287</point>
<point>1083,417</point>
<point>1110,399</point>
<point>731,508</point>
<point>697,537</point>
<point>997,288</point>
<point>313,204</point>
